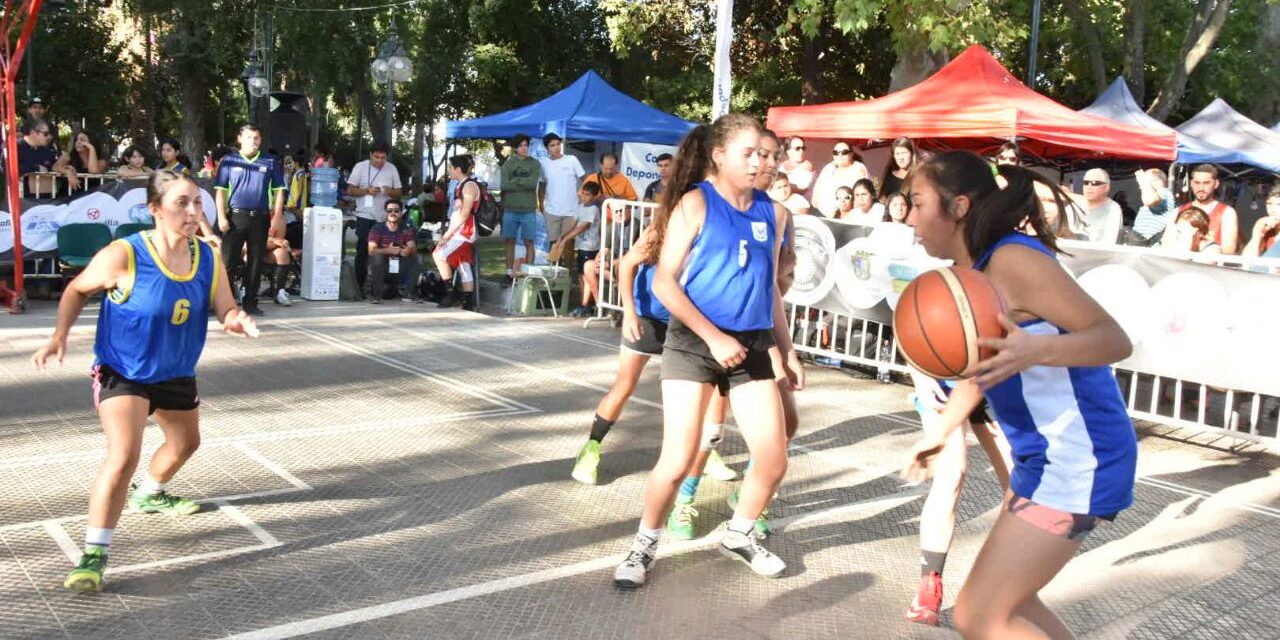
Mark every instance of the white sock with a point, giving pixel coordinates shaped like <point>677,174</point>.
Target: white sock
<point>652,534</point>
<point>742,525</point>
<point>97,537</point>
<point>150,486</point>
<point>508,273</point>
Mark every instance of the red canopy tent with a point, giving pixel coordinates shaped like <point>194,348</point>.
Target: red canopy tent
<point>974,103</point>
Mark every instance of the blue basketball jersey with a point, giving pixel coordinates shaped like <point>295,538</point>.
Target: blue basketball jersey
<point>647,304</point>
<point>1074,447</point>
<point>154,330</point>
<point>728,274</point>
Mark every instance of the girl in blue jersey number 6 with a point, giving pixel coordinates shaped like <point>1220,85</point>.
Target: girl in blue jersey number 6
<point>1074,448</point>
<point>716,241</point>
<point>160,286</point>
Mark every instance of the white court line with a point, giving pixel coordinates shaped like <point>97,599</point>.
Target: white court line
<point>445,381</point>
<point>271,465</point>
<point>246,522</point>
<point>375,612</point>
<point>60,536</point>
<point>577,382</point>
<point>191,558</point>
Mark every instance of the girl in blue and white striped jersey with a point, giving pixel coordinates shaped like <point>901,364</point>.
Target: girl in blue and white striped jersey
<point>1050,386</point>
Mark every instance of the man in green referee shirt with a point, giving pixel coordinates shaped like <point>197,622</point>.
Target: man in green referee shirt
<point>249,190</point>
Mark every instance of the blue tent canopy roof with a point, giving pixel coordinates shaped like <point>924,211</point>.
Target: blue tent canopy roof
<point>1219,124</point>
<point>1117,103</point>
<point>588,109</point>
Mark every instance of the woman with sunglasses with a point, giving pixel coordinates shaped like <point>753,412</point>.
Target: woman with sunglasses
<point>799,170</point>
<point>846,168</point>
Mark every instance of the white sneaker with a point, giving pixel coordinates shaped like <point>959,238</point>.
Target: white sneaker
<point>716,468</point>
<point>747,549</point>
<point>282,298</point>
<point>632,572</point>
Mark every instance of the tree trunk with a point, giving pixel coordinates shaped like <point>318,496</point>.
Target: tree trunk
<point>194,91</point>
<point>1135,30</point>
<point>914,64</point>
<point>1093,43</point>
<point>1201,36</point>
<point>812,89</point>
<point>1266,108</point>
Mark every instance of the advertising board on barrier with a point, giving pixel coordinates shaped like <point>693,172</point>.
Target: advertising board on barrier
<point>112,204</point>
<point>1188,321</point>
<point>640,163</point>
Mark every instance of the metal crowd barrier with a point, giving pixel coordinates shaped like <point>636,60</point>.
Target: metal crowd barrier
<point>623,221</point>
<point>50,185</point>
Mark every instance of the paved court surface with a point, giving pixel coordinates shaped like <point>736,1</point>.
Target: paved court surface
<point>400,472</point>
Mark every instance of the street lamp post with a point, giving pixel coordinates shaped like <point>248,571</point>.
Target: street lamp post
<point>255,84</point>
<point>391,66</point>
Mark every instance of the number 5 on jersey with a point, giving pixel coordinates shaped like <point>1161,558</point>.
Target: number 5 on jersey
<point>181,311</point>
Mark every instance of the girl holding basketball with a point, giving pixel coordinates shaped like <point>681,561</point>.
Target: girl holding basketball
<point>1049,384</point>
<point>717,249</point>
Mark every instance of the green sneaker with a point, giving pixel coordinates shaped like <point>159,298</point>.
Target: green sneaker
<point>587,467</point>
<point>716,468</point>
<point>763,529</point>
<point>87,576</point>
<point>163,502</point>
<point>680,522</point>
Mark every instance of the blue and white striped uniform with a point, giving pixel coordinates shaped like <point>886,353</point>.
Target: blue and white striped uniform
<point>155,329</point>
<point>1074,447</point>
<point>647,304</point>
<point>728,273</point>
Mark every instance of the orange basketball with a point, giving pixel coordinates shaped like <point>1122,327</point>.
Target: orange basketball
<point>940,317</point>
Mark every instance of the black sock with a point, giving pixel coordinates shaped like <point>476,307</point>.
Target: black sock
<point>600,428</point>
<point>282,276</point>
<point>932,561</point>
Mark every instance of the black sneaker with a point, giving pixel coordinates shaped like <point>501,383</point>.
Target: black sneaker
<point>469,302</point>
<point>449,299</point>
<point>508,281</point>
<point>633,571</point>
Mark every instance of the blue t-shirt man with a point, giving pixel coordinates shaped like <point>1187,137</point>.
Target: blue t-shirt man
<point>251,183</point>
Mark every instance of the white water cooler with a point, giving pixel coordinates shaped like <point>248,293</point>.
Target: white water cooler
<point>321,252</point>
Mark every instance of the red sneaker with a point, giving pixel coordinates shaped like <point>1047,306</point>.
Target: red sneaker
<point>924,607</point>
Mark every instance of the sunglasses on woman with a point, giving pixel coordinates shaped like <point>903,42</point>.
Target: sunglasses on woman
<point>1093,183</point>
<point>841,152</point>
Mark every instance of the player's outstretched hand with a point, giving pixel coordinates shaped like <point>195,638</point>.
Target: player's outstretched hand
<point>795,370</point>
<point>919,464</point>
<point>1016,352</point>
<point>631,327</point>
<point>240,324</point>
<point>54,347</point>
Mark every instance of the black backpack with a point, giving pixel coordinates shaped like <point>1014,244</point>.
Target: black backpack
<point>489,213</point>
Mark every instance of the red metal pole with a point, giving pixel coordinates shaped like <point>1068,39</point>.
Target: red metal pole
<point>9,105</point>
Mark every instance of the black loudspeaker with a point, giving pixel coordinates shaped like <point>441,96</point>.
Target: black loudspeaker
<point>286,130</point>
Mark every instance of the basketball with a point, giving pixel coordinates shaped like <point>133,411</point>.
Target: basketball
<point>940,317</point>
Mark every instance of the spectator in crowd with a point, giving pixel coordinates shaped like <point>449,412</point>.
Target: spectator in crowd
<point>455,248</point>
<point>1102,216</point>
<point>846,168</point>
<point>1157,204</point>
<point>84,154</point>
<point>1059,211</point>
<point>38,110</point>
<point>372,183</point>
<point>902,161</point>
<point>299,179</point>
<point>799,170</point>
<point>133,164</point>
<point>899,236</point>
<point>322,159</point>
<point>1190,232</point>
<point>171,157</point>
<point>862,206</point>
<point>895,208</point>
<point>560,175</point>
<point>392,250</point>
<point>844,204</point>
<point>655,188</point>
<point>1009,154</point>
<point>520,177</point>
<point>1224,224</point>
<point>36,155</point>
<point>1267,228</point>
<point>249,194</point>
<point>612,183</point>
<point>784,193</point>
<point>585,235</point>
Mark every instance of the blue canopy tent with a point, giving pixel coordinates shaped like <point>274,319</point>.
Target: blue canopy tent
<point>588,109</point>
<point>1219,124</point>
<point>1117,103</point>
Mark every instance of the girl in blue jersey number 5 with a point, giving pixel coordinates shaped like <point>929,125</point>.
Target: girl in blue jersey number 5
<point>716,240</point>
<point>160,286</point>
<point>1053,393</point>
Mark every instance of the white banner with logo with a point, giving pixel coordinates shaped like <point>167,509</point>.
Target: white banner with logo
<point>722,90</point>
<point>1187,320</point>
<point>640,163</point>
<point>112,204</point>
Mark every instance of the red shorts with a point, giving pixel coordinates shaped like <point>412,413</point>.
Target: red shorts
<point>456,252</point>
